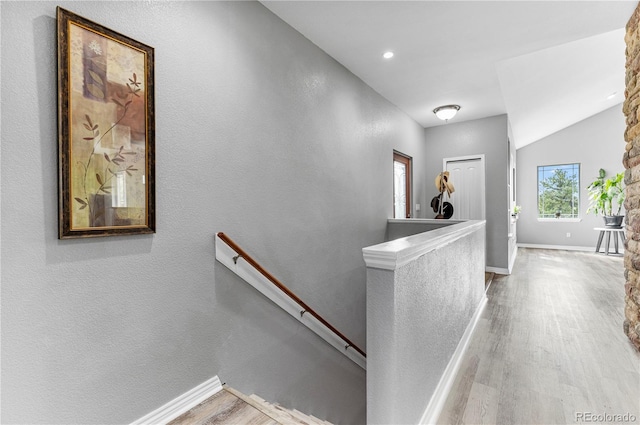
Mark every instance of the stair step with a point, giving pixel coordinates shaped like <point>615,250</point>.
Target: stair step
<point>295,415</point>
<point>283,414</point>
<point>278,412</point>
<point>224,408</point>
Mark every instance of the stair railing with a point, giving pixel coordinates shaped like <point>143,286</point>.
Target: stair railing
<point>229,254</point>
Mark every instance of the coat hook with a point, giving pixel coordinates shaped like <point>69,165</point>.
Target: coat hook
<point>302,313</point>
<point>235,259</point>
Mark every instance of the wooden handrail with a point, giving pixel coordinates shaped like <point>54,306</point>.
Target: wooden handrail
<point>287,291</point>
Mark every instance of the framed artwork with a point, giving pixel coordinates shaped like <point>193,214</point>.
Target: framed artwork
<point>106,131</point>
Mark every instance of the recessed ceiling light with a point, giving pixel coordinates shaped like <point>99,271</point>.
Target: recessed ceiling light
<point>387,55</point>
<point>612,95</point>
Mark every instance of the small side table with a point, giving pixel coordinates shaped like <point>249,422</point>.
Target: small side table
<point>617,232</point>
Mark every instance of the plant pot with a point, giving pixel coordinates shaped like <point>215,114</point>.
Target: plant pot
<point>613,220</point>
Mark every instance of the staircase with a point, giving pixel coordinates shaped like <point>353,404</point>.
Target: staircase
<point>230,407</point>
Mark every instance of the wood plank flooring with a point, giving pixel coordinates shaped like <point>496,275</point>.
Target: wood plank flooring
<point>231,407</point>
<point>224,408</point>
<point>549,346</point>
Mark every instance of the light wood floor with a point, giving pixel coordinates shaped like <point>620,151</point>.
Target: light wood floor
<point>231,407</point>
<point>224,408</point>
<point>549,346</point>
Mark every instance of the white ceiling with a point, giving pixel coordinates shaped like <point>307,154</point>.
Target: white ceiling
<point>547,64</point>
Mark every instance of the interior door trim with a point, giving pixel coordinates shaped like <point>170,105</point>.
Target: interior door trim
<point>483,185</point>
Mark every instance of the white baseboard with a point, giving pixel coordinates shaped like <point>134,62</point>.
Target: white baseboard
<point>561,247</point>
<point>439,397</point>
<point>496,270</point>
<point>514,254</point>
<point>181,404</point>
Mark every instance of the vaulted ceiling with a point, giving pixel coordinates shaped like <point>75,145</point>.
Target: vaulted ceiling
<point>547,64</point>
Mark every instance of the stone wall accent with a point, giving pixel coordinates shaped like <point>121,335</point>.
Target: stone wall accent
<point>631,161</point>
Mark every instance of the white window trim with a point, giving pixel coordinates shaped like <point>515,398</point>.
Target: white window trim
<point>561,219</point>
<point>555,220</point>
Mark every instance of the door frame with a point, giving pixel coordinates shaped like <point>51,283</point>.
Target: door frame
<point>408,162</point>
<point>484,176</point>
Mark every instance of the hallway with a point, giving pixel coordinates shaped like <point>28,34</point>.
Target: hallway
<point>549,348</point>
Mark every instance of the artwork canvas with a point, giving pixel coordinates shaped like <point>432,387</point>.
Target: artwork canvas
<point>106,131</point>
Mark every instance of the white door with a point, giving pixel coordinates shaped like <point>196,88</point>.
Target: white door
<point>467,176</point>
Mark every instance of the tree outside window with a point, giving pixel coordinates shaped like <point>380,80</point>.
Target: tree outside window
<point>559,191</point>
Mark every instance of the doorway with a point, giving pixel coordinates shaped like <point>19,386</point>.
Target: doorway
<point>401,185</point>
<point>468,177</point>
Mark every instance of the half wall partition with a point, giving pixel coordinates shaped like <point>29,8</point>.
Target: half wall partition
<point>425,294</point>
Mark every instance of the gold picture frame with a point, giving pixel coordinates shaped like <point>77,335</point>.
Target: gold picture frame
<point>106,131</point>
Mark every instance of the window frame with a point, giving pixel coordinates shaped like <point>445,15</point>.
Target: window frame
<point>578,215</point>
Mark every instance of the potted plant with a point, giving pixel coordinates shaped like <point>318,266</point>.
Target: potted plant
<point>516,210</point>
<point>606,197</point>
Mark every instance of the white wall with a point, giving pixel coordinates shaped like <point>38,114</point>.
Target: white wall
<point>260,135</point>
<point>595,143</point>
<point>486,136</point>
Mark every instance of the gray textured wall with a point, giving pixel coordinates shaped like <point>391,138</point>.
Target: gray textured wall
<point>595,143</point>
<point>260,135</point>
<point>417,315</point>
<point>486,136</point>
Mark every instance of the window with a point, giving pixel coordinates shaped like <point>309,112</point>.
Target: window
<point>401,186</point>
<point>558,191</point>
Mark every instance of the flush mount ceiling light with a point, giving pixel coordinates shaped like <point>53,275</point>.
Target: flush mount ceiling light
<point>387,55</point>
<point>446,112</point>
